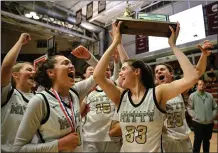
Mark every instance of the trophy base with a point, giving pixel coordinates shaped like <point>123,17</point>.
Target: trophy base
<point>145,27</point>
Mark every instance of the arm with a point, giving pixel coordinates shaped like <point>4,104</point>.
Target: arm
<point>122,53</point>
<point>168,91</point>
<point>28,128</point>
<point>83,53</point>
<point>109,88</point>
<point>84,87</point>
<point>116,71</point>
<point>190,106</point>
<point>115,130</point>
<point>202,63</point>
<point>11,58</point>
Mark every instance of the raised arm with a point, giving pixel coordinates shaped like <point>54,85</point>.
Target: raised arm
<point>116,66</point>
<point>10,59</point>
<point>202,63</point>
<point>83,53</point>
<point>109,88</point>
<point>168,91</point>
<point>122,53</point>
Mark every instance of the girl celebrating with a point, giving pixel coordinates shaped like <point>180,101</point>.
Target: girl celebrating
<point>141,107</point>
<point>55,112</point>
<point>15,93</point>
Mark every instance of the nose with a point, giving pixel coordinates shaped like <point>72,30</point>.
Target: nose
<point>71,67</point>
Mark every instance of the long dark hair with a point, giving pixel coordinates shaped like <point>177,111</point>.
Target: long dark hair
<point>147,78</point>
<point>42,77</point>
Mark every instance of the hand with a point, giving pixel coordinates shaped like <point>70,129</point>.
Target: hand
<point>205,48</point>
<point>81,52</point>
<point>85,111</point>
<point>116,56</point>
<point>116,32</point>
<point>174,35</point>
<point>68,142</point>
<point>24,38</point>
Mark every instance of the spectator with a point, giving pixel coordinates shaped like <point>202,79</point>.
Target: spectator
<point>211,76</point>
<point>203,110</point>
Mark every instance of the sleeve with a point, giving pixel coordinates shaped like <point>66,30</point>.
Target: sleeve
<point>31,122</point>
<point>116,72</point>
<point>83,87</point>
<point>92,61</point>
<point>190,106</point>
<point>5,93</point>
<point>215,108</point>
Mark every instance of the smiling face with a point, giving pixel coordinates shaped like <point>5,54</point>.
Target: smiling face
<point>163,74</point>
<point>89,71</point>
<point>63,73</point>
<point>126,76</point>
<point>23,75</point>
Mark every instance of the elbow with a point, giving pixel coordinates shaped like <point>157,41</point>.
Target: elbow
<point>193,77</point>
<point>97,77</point>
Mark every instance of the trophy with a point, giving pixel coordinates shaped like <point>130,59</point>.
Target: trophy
<point>144,27</point>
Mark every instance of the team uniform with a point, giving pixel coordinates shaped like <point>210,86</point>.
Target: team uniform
<point>14,103</point>
<point>53,117</point>
<point>141,123</point>
<point>176,136</point>
<point>98,122</point>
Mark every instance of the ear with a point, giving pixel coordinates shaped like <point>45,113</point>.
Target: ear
<point>51,73</point>
<point>15,75</point>
<point>137,71</point>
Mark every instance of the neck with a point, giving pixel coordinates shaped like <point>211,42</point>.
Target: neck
<point>63,92</point>
<point>23,88</point>
<point>138,90</point>
<point>201,91</point>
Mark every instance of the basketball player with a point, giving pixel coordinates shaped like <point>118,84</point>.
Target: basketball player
<point>16,83</point>
<point>96,128</point>
<point>141,107</point>
<point>176,131</point>
<point>55,112</point>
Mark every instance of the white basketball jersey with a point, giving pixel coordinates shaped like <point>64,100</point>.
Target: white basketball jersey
<point>141,123</point>
<point>175,122</point>
<point>57,125</point>
<point>98,119</point>
<point>11,115</point>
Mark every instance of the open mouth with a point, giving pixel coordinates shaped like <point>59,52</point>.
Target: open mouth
<point>71,75</point>
<point>162,77</point>
<point>31,78</point>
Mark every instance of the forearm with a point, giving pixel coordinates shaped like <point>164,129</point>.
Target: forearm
<point>201,65</point>
<point>115,72</point>
<point>83,87</point>
<point>92,61</point>
<point>115,130</point>
<point>8,63</point>
<point>122,53</point>
<point>189,71</point>
<point>101,67</point>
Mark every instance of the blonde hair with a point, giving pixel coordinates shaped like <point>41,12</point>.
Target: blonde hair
<point>16,68</point>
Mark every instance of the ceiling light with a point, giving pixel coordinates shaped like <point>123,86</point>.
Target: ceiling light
<point>28,15</point>
<point>33,13</point>
<point>36,17</point>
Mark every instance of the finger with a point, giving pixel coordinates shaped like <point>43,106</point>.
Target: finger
<point>120,22</point>
<point>199,46</point>
<point>209,45</point>
<point>172,31</point>
<point>206,41</point>
<point>114,25</point>
<point>177,28</point>
<point>111,34</point>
